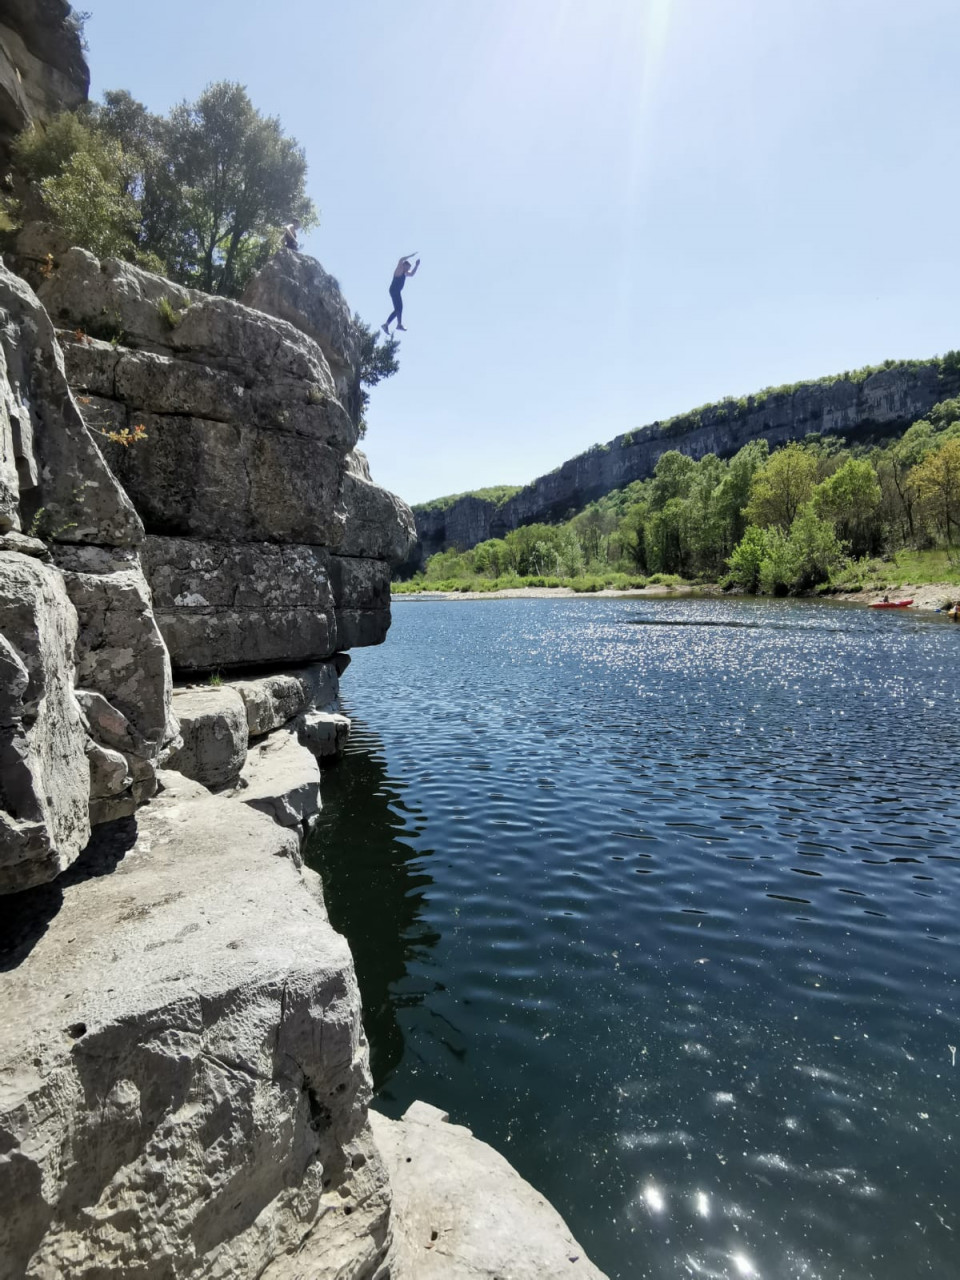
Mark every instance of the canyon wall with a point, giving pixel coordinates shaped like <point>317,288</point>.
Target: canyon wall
<point>883,403</point>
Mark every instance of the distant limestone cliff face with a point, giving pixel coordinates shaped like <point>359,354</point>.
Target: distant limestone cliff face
<point>42,68</point>
<point>884,402</point>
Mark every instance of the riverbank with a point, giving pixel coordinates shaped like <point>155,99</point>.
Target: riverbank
<point>929,597</point>
<point>554,593</point>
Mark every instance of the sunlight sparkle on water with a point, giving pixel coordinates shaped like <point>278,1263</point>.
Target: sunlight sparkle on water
<point>653,1199</point>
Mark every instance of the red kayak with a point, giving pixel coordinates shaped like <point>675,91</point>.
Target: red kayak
<point>890,604</point>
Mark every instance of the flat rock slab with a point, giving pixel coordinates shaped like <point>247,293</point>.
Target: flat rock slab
<point>183,1078</point>
<point>282,779</point>
<point>462,1212</point>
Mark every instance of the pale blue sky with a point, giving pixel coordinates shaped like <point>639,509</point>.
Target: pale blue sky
<point>625,208</point>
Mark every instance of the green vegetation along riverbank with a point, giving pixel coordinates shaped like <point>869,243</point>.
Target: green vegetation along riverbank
<point>813,515</point>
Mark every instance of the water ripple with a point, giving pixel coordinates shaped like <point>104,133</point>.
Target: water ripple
<point>664,906</point>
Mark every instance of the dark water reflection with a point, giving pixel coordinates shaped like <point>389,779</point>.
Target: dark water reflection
<point>364,847</point>
<point>668,913</point>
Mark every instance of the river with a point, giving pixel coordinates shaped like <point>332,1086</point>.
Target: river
<point>661,898</point>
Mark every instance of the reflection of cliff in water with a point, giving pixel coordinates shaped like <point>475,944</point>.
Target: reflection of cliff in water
<point>364,848</point>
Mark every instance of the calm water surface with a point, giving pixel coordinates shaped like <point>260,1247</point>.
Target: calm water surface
<point>661,898</point>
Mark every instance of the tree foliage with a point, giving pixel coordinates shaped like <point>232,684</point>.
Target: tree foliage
<point>200,194</point>
<point>782,521</point>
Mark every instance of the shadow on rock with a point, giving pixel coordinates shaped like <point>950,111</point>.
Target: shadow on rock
<point>25,917</point>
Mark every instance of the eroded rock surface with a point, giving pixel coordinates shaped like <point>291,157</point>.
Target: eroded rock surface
<point>461,1212</point>
<point>295,288</point>
<point>222,605</point>
<point>213,726</point>
<point>183,1068</point>
<point>44,773</point>
<point>246,481</point>
<point>281,778</point>
<point>77,614</point>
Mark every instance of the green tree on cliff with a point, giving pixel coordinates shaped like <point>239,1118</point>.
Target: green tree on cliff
<point>241,179</point>
<point>200,194</point>
<point>77,179</point>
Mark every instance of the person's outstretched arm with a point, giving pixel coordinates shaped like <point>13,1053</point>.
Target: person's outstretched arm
<point>415,269</point>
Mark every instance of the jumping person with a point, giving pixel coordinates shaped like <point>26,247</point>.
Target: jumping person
<point>401,271</point>
<point>290,240</point>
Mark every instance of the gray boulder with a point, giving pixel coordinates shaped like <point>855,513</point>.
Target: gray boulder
<point>295,288</point>
<point>271,701</point>
<point>461,1212</point>
<point>378,523</point>
<point>121,655</point>
<point>281,778</point>
<point>321,683</point>
<point>185,1073</point>
<point>51,470</point>
<point>213,726</point>
<point>44,773</point>
<point>324,733</point>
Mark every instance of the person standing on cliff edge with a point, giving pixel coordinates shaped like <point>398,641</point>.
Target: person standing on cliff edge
<point>400,273</point>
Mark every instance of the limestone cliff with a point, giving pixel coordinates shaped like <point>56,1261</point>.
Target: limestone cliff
<point>885,402</point>
<point>42,68</point>
<point>86,712</point>
<point>184,1070</point>
<point>262,544</point>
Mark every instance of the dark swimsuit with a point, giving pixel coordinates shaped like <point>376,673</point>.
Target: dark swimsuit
<point>396,291</point>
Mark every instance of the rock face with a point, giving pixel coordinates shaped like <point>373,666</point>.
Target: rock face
<point>44,773</point>
<point>42,68</point>
<point>296,288</point>
<point>462,1213</point>
<point>213,726</point>
<point>183,1064</point>
<point>263,546</point>
<point>75,618</point>
<point>282,778</point>
<point>883,403</point>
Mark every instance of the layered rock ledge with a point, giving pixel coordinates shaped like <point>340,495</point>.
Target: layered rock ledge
<point>183,1078</point>
<point>266,540</point>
